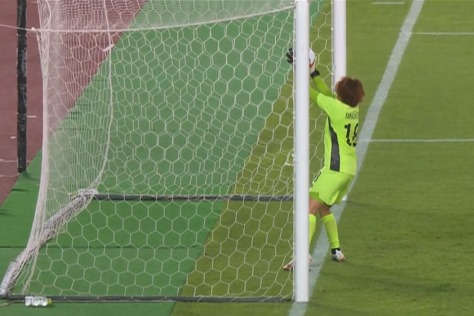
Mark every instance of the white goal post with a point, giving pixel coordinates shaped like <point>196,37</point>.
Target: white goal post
<point>302,129</point>
<point>167,167</point>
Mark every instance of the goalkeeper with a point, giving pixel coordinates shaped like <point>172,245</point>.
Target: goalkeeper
<point>340,160</point>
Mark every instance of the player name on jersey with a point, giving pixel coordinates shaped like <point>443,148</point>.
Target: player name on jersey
<point>352,116</point>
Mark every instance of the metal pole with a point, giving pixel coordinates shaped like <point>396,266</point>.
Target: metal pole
<point>339,40</point>
<point>301,104</point>
<point>21,85</point>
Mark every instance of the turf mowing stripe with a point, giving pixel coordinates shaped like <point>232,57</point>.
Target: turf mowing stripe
<point>322,244</point>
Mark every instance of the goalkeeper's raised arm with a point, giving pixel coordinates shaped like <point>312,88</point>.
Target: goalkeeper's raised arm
<point>318,82</point>
<point>319,87</point>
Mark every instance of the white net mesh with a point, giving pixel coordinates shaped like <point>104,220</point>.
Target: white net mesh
<point>169,132</point>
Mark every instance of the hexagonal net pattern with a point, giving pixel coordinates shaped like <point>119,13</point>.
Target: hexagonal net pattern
<point>167,166</point>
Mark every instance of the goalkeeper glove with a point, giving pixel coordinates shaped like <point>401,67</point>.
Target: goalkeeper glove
<point>312,61</point>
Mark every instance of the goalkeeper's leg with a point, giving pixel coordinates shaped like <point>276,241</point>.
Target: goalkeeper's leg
<point>330,226</point>
<point>327,190</point>
<point>312,228</point>
<point>313,208</point>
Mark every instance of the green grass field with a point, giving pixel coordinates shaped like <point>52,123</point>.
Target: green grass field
<point>406,226</point>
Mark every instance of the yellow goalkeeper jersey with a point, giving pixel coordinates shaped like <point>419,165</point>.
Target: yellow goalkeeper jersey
<point>340,134</point>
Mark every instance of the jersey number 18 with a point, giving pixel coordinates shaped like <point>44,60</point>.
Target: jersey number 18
<point>351,134</point>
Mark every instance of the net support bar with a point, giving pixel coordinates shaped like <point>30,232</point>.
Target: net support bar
<point>204,197</point>
<point>21,68</point>
<point>141,299</point>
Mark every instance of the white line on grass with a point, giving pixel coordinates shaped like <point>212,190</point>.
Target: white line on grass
<point>322,245</point>
<point>445,33</point>
<point>388,2</point>
<point>417,140</point>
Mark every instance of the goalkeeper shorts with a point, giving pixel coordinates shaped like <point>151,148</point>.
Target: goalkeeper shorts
<point>330,186</point>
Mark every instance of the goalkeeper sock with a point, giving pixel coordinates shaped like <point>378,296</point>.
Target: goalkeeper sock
<point>331,230</point>
<point>312,227</point>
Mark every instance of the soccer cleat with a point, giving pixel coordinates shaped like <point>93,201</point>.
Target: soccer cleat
<point>337,255</point>
<point>291,265</point>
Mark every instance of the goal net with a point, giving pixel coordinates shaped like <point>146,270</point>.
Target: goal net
<point>167,166</point>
